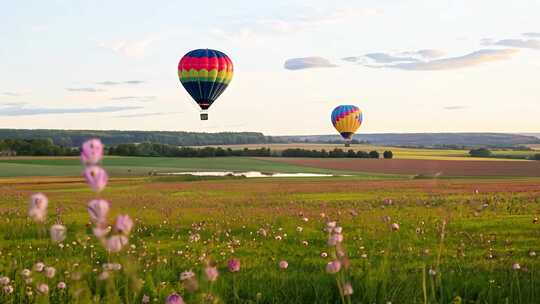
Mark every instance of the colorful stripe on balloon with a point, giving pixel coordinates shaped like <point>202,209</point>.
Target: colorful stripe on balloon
<point>347,119</point>
<point>205,74</point>
<point>205,65</point>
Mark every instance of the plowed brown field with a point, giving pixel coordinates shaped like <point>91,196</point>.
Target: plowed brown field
<point>417,166</point>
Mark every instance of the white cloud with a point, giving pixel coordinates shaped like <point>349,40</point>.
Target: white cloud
<point>134,98</point>
<point>487,41</point>
<point>12,94</point>
<point>147,114</point>
<point>456,107</point>
<point>115,83</point>
<point>309,21</point>
<point>21,110</point>
<point>426,53</point>
<point>532,34</point>
<point>351,58</point>
<point>387,58</point>
<point>520,43</point>
<point>88,90</point>
<point>136,48</point>
<point>468,60</point>
<point>262,28</point>
<point>406,56</point>
<point>307,63</point>
<point>13,104</point>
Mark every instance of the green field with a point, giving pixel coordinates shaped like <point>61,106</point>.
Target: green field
<point>182,225</point>
<point>405,240</point>
<point>140,166</point>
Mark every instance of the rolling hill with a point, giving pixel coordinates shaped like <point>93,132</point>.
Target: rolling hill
<point>73,138</point>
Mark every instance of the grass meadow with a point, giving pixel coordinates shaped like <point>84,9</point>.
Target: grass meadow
<point>140,166</point>
<point>405,241</point>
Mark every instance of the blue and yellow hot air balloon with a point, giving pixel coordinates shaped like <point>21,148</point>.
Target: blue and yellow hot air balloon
<point>205,74</point>
<point>347,119</point>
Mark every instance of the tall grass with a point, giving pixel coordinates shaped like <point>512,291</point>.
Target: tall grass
<point>469,241</point>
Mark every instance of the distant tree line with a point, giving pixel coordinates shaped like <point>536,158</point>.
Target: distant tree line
<point>336,153</point>
<point>74,138</point>
<point>460,141</point>
<point>481,152</point>
<point>34,147</point>
<point>46,147</point>
<point>153,149</point>
<point>462,147</point>
<point>484,152</point>
<point>340,141</point>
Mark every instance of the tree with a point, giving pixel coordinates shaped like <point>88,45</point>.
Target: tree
<point>374,154</point>
<point>34,147</point>
<point>362,154</point>
<point>482,152</point>
<point>536,156</point>
<point>337,153</point>
<point>388,155</point>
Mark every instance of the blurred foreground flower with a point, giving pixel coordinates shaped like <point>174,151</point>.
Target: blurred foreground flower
<point>347,289</point>
<point>98,210</point>
<point>234,265</point>
<point>37,209</point>
<point>101,232</point>
<point>58,233</point>
<point>103,276</point>
<point>123,224</point>
<point>116,242</point>
<point>335,239</point>
<point>211,273</point>
<point>43,288</point>
<point>4,280</point>
<point>186,275</point>
<point>8,289</point>
<point>50,272</point>
<point>39,266</point>
<point>174,299</point>
<point>96,177</point>
<point>91,152</point>
<point>145,299</point>
<point>188,281</point>
<point>331,225</point>
<point>333,267</point>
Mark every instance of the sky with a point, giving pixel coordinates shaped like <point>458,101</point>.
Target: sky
<point>410,65</point>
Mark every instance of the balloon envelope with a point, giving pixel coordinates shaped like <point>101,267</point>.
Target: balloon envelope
<point>205,74</point>
<point>347,119</point>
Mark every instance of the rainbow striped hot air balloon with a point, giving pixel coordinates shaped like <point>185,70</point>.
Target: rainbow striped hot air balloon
<point>347,119</point>
<point>205,74</point>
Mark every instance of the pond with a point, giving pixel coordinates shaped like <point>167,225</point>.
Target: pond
<point>248,174</point>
